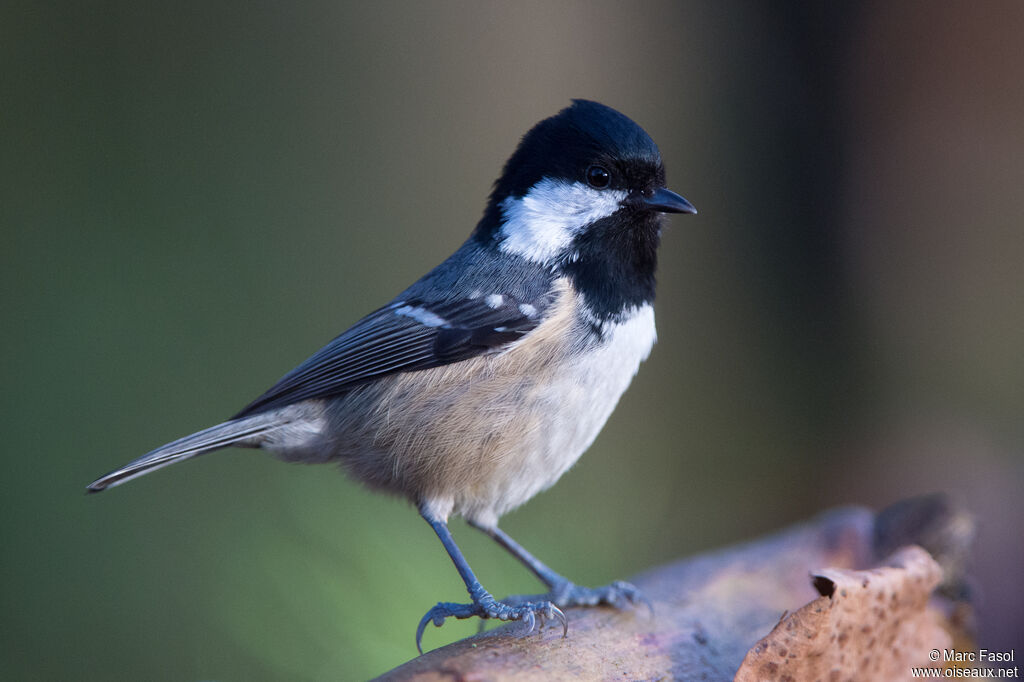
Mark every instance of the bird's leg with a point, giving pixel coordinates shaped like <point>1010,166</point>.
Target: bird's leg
<point>484,604</point>
<point>563,592</point>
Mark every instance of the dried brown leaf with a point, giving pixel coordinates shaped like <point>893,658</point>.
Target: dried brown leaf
<point>867,625</point>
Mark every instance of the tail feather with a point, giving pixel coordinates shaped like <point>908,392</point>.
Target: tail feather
<point>235,432</point>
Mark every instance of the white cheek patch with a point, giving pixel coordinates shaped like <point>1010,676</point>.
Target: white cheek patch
<point>541,225</point>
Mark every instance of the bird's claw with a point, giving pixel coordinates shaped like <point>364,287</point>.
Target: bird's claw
<point>529,613</point>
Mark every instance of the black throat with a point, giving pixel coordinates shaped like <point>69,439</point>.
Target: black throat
<point>613,261</point>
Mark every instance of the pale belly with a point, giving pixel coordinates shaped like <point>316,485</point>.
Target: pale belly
<point>483,436</point>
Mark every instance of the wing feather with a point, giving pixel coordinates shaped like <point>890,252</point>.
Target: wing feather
<point>387,342</point>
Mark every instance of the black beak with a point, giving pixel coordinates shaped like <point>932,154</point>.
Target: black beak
<point>667,201</point>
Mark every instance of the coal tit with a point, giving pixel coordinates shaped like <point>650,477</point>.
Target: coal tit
<point>482,383</point>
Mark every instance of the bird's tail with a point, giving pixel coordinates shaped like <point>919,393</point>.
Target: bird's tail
<point>245,431</point>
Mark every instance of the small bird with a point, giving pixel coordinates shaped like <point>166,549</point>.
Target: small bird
<point>482,383</point>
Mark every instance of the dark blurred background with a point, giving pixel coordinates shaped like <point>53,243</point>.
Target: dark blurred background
<point>195,196</point>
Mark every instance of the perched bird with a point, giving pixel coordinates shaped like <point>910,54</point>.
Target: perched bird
<point>482,383</point>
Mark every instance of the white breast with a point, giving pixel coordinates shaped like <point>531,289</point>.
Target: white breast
<point>573,406</point>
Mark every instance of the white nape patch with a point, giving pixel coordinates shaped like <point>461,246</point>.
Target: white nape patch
<point>421,315</point>
<point>527,309</point>
<point>541,225</point>
<point>494,301</point>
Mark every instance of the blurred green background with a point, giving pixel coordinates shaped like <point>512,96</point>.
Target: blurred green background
<point>195,196</point>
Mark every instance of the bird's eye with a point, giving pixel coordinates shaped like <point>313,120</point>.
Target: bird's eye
<point>598,177</point>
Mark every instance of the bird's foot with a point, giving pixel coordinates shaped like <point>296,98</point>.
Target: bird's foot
<point>564,594</point>
<point>619,594</point>
<point>531,613</point>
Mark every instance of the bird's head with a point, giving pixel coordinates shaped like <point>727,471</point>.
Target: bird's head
<point>584,194</point>
<point>583,166</point>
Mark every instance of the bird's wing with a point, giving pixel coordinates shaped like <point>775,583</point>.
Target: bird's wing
<point>403,336</point>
